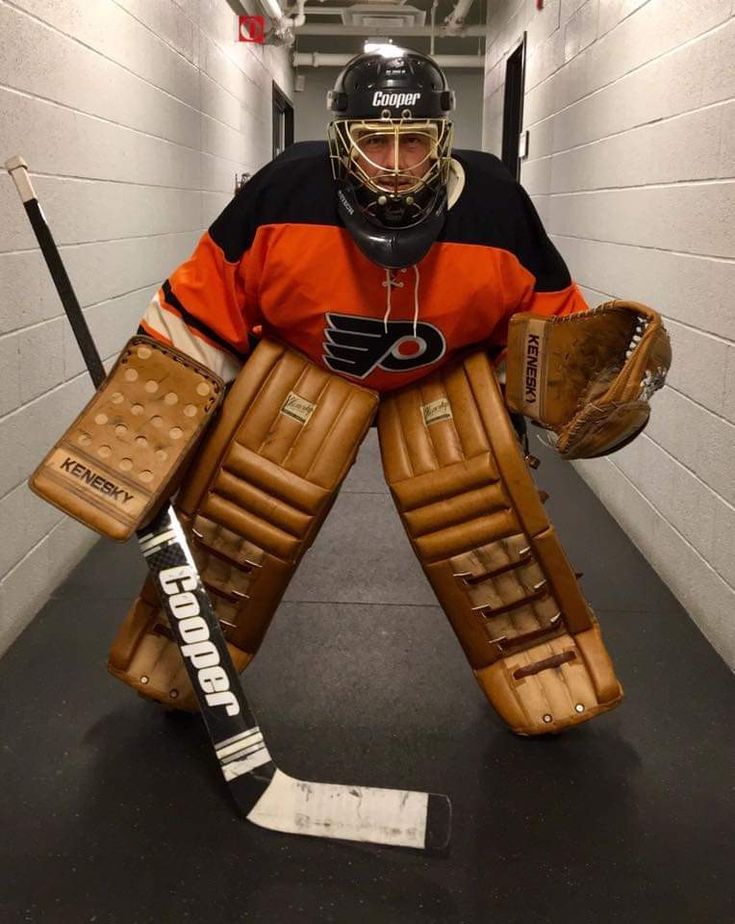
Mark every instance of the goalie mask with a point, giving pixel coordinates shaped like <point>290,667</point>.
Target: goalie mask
<point>390,144</point>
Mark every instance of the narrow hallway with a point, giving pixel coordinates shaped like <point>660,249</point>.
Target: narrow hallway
<point>113,811</point>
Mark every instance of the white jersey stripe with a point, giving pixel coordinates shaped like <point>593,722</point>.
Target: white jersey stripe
<point>170,326</point>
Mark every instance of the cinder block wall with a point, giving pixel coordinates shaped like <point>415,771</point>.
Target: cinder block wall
<point>631,162</point>
<point>134,116</point>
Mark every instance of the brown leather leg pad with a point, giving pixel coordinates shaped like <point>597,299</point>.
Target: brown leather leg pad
<point>251,504</point>
<point>473,514</point>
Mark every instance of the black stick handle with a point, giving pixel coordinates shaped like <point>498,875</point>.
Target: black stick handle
<point>226,711</point>
<point>18,170</point>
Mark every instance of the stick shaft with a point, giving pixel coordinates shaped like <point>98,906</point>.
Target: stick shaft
<point>245,763</point>
<point>18,170</point>
<point>225,711</point>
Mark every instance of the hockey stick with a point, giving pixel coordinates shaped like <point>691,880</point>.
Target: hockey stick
<point>264,794</point>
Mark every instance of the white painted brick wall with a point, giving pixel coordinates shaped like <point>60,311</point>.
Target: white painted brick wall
<point>651,216</point>
<point>134,116</point>
<point>630,106</point>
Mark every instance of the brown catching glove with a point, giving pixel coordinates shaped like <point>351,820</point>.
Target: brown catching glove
<point>587,377</point>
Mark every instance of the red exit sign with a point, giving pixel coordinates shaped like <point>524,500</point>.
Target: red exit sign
<point>251,29</point>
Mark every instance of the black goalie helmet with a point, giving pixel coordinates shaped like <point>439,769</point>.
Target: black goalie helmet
<point>390,145</point>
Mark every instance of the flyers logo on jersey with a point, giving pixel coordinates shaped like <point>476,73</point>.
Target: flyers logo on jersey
<point>355,346</point>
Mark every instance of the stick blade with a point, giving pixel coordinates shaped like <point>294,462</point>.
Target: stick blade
<point>438,823</point>
<point>393,817</point>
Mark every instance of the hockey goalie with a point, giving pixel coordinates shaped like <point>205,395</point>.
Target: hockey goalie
<point>383,278</point>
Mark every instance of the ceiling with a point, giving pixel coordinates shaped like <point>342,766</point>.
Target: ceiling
<point>353,44</point>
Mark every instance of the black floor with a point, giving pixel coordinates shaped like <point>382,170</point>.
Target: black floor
<point>112,811</point>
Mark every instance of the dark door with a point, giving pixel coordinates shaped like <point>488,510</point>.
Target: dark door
<point>513,107</point>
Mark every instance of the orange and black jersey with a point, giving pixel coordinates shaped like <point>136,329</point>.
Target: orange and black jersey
<point>278,261</point>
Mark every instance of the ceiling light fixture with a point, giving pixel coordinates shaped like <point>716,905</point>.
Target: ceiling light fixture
<point>380,46</point>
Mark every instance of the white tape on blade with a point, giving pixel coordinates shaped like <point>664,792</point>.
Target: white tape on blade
<point>351,813</point>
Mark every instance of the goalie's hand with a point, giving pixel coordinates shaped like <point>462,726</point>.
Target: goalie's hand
<point>587,377</point>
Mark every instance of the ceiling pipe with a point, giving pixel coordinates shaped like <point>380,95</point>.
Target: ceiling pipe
<point>433,26</point>
<point>297,13</point>
<point>454,23</point>
<point>393,31</point>
<point>324,59</point>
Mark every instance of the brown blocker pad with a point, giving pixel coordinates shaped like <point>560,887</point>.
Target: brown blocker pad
<point>476,522</point>
<point>122,453</point>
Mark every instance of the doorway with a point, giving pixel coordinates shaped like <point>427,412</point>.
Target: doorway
<point>515,70</point>
<point>282,121</point>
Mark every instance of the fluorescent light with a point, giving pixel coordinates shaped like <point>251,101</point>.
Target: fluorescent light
<point>382,47</point>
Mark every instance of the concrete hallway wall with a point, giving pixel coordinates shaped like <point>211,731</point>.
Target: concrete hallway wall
<point>630,108</point>
<point>134,117</point>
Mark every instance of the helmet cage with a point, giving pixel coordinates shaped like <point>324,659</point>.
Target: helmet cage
<point>393,195</point>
